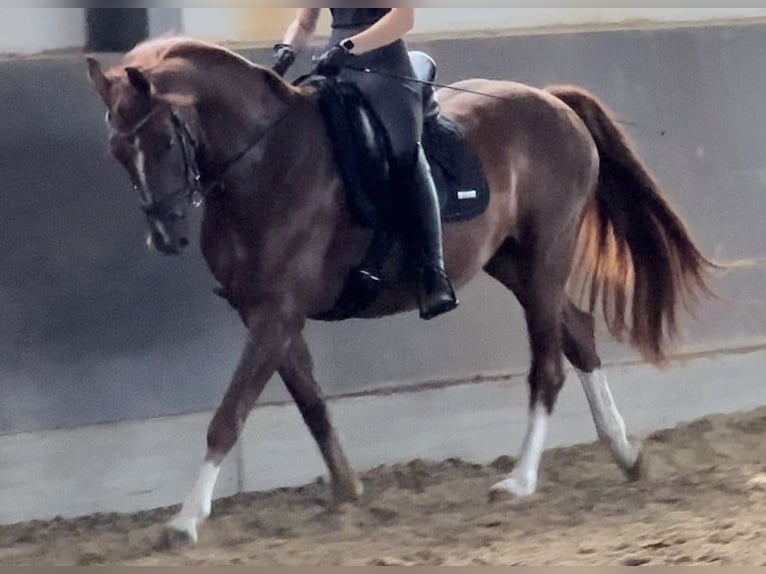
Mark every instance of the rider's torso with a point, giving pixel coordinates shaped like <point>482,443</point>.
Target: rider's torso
<point>349,21</point>
<point>356,17</point>
<point>398,103</point>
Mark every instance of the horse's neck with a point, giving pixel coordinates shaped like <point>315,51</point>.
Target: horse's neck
<point>238,109</point>
<point>290,175</point>
<point>270,156</point>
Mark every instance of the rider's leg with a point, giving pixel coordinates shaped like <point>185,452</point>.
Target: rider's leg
<point>402,113</point>
<point>436,294</point>
<point>399,106</point>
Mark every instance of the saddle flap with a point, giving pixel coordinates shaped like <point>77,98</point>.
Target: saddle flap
<point>457,171</point>
<point>362,151</point>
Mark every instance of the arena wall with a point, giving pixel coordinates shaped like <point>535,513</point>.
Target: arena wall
<point>267,24</point>
<point>32,30</point>
<point>118,355</point>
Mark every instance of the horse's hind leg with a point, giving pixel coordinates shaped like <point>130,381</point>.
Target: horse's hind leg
<point>540,289</point>
<point>580,349</point>
<point>297,374</point>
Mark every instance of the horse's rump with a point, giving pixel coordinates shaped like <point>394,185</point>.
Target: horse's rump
<point>636,254</point>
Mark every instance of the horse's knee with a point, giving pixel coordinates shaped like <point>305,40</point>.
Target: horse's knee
<point>317,419</point>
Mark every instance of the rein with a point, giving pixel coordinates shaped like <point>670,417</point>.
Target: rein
<point>196,191</point>
<point>474,92</point>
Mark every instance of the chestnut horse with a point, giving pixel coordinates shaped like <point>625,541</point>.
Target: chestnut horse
<point>573,211</point>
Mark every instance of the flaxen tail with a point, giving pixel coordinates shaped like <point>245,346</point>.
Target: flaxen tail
<point>636,253</point>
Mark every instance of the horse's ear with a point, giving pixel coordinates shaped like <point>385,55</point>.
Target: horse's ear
<point>139,81</point>
<point>102,84</point>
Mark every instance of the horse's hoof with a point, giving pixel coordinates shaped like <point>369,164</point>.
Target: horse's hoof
<point>179,533</point>
<point>637,470</point>
<point>173,539</point>
<point>349,492</point>
<point>511,488</point>
<point>497,495</point>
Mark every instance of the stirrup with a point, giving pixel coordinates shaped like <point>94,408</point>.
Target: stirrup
<point>366,277</point>
<point>362,286</point>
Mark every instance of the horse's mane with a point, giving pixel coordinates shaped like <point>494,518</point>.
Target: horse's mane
<point>182,51</point>
<point>172,60</point>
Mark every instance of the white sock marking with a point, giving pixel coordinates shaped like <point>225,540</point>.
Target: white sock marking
<point>523,480</point>
<point>609,423</point>
<point>198,503</point>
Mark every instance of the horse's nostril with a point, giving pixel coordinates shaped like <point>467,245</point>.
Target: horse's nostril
<point>157,239</point>
<point>183,242</point>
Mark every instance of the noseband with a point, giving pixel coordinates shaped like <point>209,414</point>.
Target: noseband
<point>195,192</point>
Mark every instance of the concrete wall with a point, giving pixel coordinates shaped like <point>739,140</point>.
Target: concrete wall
<point>30,30</point>
<point>96,330</point>
<point>149,464</point>
<point>439,20</point>
<point>267,24</point>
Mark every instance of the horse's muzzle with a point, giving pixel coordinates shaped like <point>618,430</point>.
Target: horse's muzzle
<point>156,242</point>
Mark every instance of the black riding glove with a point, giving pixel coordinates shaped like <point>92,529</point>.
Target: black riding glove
<point>331,62</point>
<point>284,57</point>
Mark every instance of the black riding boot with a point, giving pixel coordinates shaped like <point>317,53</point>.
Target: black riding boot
<point>436,294</point>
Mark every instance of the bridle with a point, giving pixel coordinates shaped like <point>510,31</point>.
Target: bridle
<point>196,191</point>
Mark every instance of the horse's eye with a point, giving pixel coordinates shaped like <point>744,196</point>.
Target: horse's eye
<point>170,143</point>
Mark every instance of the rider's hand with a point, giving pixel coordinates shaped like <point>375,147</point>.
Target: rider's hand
<point>333,60</point>
<point>284,57</point>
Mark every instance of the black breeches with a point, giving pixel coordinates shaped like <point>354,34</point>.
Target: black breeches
<point>397,103</point>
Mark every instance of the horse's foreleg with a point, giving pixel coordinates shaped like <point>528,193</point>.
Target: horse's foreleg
<point>297,373</point>
<point>269,334</point>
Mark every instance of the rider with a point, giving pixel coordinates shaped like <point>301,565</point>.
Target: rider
<point>372,38</point>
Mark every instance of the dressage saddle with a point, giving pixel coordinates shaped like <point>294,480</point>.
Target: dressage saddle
<point>361,148</point>
<point>360,141</point>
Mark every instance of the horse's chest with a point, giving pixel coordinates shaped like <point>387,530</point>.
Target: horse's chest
<point>227,256</point>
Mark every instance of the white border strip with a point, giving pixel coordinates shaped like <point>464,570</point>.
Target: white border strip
<point>143,465</point>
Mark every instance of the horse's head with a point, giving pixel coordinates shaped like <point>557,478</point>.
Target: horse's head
<point>150,136</point>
